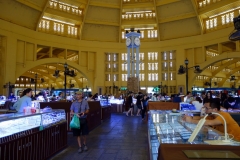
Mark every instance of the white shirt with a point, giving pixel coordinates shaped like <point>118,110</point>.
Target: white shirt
<point>40,98</point>
<point>188,99</point>
<point>154,98</point>
<point>197,105</point>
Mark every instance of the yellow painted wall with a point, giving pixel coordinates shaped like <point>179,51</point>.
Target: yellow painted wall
<point>19,46</point>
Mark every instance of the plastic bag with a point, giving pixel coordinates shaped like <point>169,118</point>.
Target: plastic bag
<point>75,123</point>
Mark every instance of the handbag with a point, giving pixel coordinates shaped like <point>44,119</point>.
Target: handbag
<point>75,123</point>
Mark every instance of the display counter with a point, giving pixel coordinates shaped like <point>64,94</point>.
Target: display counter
<point>94,115</point>
<point>116,104</point>
<point>106,112</point>
<point>158,105</point>
<point>32,136</point>
<point>166,127</point>
<point>166,151</point>
<point>93,118</point>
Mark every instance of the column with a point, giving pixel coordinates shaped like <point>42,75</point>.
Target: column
<point>132,60</point>
<point>137,62</point>
<point>128,62</point>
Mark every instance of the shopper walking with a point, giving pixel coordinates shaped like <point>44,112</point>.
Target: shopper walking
<point>80,108</point>
<point>139,103</point>
<point>144,106</point>
<point>130,103</point>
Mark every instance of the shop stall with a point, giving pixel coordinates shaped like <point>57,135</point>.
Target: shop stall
<point>116,104</point>
<point>94,116</point>
<point>35,136</point>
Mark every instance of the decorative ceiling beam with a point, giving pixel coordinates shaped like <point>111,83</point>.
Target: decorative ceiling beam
<point>220,68</point>
<point>216,6</point>
<point>31,5</point>
<point>164,2</point>
<point>102,4</point>
<point>102,23</point>
<point>228,75</point>
<point>79,1</point>
<point>42,13</point>
<point>83,21</point>
<point>200,21</point>
<point>176,18</point>
<point>65,16</point>
<point>142,5</point>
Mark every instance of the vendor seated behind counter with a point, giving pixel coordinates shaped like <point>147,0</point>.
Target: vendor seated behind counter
<point>216,121</point>
<point>24,101</point>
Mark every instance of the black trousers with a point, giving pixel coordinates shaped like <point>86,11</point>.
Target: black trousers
<point>143,112</point>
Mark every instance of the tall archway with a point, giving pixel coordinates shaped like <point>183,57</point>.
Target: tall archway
<point>31,65</point>
<point>205,65</point>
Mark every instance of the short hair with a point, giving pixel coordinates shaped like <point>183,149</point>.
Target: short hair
<point>215,103</point>
<point>188,92</point>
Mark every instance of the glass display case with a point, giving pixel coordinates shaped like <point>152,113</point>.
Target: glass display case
<point>186,106</point>
<point>105,102</point>
<point>18,122</point>
<point>168,127</point>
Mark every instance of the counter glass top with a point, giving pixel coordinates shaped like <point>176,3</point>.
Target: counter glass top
<point>168,127</point>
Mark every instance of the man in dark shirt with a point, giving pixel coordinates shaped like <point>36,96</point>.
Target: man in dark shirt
<point>138,103</point>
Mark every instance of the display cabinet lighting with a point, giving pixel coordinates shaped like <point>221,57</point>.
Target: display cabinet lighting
<point>65,4</point>
<point>139,12</point>
<point>56,20</point>
<point>139,28</point>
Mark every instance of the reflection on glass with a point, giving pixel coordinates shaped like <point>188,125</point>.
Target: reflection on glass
<point>15,123</point>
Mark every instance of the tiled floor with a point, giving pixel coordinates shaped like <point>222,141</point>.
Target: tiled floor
<point>119,138</point>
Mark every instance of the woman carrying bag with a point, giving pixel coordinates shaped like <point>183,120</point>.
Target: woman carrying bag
<point>80,109</point>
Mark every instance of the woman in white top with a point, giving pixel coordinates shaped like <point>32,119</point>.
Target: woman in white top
<point>198,103</point>
<point>188,98</point>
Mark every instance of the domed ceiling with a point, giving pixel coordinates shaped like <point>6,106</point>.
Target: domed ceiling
<point>89,19</point>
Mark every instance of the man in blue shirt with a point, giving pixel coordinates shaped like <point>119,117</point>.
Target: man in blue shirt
<point>12,96</point>
<point>231,103</point>
<point>24,101</point>
<point>80,108</point>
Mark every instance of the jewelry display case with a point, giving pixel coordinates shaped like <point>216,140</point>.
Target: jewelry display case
<point>18,122</point>
<point>32,136</point>
<point>167,127</point>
